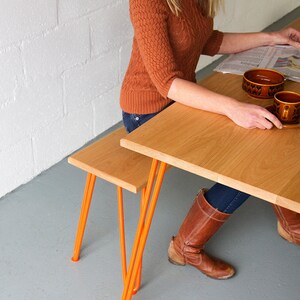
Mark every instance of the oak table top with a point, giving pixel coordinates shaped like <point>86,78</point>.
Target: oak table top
<point>263,163</point>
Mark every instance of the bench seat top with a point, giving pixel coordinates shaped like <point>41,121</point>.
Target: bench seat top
<point>106,159</point>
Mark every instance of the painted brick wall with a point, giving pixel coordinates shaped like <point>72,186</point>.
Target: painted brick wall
<point>61,66</point>
<point>62,62</point>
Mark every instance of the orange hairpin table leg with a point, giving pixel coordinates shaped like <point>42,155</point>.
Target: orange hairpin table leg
<point>139,275</point>
<point>140,224</point>
<point>143,228</point>
<point>122,237</point>
<point>86,201</point>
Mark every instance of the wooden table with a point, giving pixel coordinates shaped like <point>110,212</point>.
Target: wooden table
<point>263,163</point>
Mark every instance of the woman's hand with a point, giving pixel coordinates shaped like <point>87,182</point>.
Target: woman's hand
<point>252,116</point>
<point>287,36</point>
<point>237,42</point>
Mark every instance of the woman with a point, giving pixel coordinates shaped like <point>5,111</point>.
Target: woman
<point>169,37</point>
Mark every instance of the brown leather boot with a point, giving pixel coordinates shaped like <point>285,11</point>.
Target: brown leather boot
<point>288,224</point>
<point>198,227</point>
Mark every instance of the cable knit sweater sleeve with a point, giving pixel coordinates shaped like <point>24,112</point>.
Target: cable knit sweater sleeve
<point>212,45</point>
<point>149,20</point>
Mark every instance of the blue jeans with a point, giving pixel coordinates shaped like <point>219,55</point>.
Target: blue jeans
<point>220,196</point>
<point>133,121</point>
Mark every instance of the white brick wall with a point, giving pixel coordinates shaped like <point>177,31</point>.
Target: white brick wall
<point>113,30</point>
<point>91,80</point>
<point>60,78</point>
<point>62,64</point>
<point>11,74</point>
<point>21,20</point>
<point>16,164</point>
<point>37,105</point>
<point>58,50</point>
<point>59,138</point>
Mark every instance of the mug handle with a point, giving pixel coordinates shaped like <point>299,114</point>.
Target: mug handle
<point>285,112</point>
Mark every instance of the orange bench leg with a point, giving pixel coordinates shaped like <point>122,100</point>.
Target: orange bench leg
<point>86,201</point>
<point>122,232</point>
<point>143,228</point>
<point>139,275</point>
<point>122,238</point>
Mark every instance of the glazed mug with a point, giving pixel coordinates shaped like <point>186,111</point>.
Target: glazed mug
<point>287,106</point>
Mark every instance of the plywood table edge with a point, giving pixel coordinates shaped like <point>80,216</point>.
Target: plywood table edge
<point>200,171</point>
<point>284,202</point>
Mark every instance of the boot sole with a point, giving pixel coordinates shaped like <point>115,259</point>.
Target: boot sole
<point>175,263</point>
<point>219,278</point>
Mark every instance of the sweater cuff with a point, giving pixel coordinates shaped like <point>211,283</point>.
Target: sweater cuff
<point>166,87</point>
<point>213,44</point>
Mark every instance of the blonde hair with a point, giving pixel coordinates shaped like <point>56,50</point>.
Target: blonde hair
<point>210,7</point>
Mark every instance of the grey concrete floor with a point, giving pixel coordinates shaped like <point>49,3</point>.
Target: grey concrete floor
<point>38,223</point>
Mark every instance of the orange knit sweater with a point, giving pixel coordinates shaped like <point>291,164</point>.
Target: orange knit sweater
<point>164,47</point>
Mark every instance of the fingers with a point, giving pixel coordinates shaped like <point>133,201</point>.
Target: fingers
<point>273,120</point>
<point>261,126</point>
<point>289,36</point>
<point>294,44</point>
<point>264,124</point>
<point>267,121</point>
<point>252,116</point>
<point>293,37</point>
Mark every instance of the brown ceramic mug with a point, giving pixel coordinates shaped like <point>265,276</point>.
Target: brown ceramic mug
<point>287,106</point>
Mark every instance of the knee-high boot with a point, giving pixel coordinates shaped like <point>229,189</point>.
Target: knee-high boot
<point>288,224</point>
<point>200,224</point>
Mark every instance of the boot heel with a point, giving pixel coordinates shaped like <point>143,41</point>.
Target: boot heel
<point>283,233</point>
<point>173,257</point>
<point>291,220</point>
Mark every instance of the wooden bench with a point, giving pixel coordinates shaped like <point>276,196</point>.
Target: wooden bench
<point>126,169</point>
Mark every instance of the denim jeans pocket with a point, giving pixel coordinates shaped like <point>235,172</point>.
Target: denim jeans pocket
<point>133,121</point>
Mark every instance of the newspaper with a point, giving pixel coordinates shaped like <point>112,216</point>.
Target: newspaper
<point>284,59</point>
